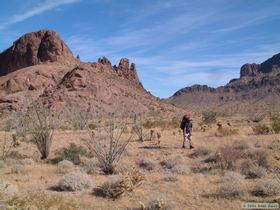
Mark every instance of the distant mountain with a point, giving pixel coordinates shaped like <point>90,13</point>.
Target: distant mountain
<point>40,67</point>
<point>258,87</point>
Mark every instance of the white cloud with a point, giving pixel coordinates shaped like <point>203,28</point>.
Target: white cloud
<point>36,10</point>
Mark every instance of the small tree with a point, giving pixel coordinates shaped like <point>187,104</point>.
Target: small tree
<point>41,129</point>
<point>108,143</point>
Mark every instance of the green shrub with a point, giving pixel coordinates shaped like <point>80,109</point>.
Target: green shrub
<point>276,123</point>
<point>209,117</point>
<point>261,129</point>
<point>71,153</point>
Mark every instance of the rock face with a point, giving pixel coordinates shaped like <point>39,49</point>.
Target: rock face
<point>259,84</point>
<point>128,71</point>
<point>270,65</point>
<point>34,48</point>
<point>64,83</point>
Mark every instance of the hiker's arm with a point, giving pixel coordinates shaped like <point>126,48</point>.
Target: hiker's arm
<point>185,131</point>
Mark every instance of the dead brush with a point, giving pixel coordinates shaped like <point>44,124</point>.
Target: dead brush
<point>226,157</point>
<point>118,185</point>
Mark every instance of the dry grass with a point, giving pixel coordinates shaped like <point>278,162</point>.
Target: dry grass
<point>172,164</point>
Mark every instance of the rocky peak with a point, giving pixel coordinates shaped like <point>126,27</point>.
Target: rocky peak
<point>104,61</point>
<point>128,71</point>
<point>34,48</point>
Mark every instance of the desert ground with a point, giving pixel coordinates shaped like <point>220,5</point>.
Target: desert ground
<point>231,163</point>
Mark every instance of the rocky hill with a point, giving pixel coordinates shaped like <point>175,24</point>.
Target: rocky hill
<point>40,66</point>
<point>258,87</point>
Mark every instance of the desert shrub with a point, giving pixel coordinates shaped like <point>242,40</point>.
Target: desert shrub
<point>40,200</point>
<point>10,161</point>
<point>41,129</point>
<point>209,117</point>
<point>74,181</point>
<point>109,146</point>
<point>170,178</point>
<point>118,185</point>
<point>225,158</point>
<point>65,164</point>
<point>27,161</point>
<point>18,169</point>
<point>158,202</point>
<point>146,164</point>
<point>17,155</point>
<point>6,146</point>
<point>252,170</point>
<point>8,189</point>
<point>256,117</point>
<point>181,169</point>
<point>240,145</point>
<point>2,163</point>
<point>200,152</point>
<point>275,123</point>
<point>275,144</point>
<point>91,166</point>
<point>261,129</point>
<point>72,153</point>
<point>230,189</point>
<point>261,157</point>
<point>225,132</point>
<point>172,161</point>
<point>267,187</point>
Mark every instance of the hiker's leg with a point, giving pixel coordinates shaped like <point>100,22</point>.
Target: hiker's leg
<point>189,137</point>
<point>184,140</point>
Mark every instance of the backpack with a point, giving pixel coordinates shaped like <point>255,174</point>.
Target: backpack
<point>184,122</point>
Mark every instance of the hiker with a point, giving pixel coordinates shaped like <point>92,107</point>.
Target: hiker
<point>186,126</point>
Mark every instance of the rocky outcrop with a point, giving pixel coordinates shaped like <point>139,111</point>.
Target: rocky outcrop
<point>249,70</point>
<point>128,71</point>
<point>270,65</point>
<point>35,48</point>
<point>104,61</point>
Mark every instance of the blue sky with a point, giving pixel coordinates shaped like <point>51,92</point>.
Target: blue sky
<point>174,43</point>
